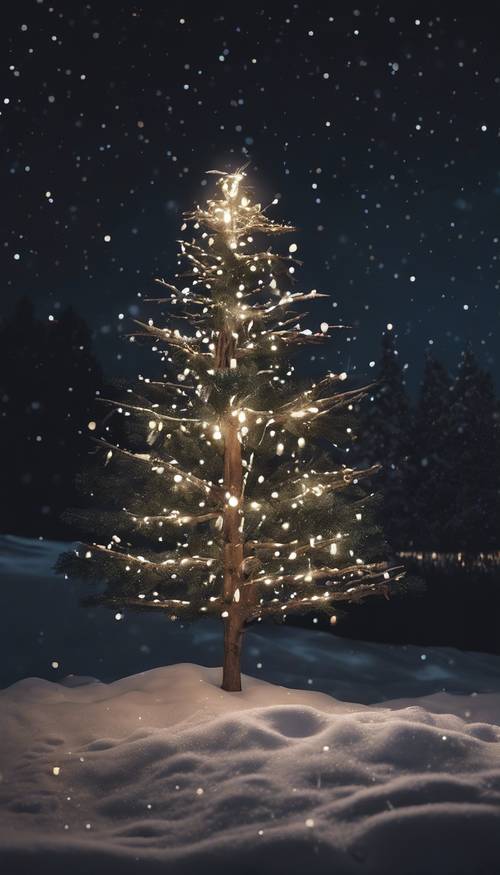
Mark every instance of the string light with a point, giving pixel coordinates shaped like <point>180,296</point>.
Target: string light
<point>235,514</point>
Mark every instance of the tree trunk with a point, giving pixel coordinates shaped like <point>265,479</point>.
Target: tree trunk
<point>233,636</point>
<point>232,536</point>
<point>233,557</point>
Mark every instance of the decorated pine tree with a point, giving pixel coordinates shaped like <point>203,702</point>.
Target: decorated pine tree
<point>228,493</point>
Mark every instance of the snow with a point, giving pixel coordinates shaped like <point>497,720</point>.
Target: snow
<point>393,768</point>
<point>166,768</point>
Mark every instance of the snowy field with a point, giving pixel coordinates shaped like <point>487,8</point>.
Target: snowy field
<point>339,756</point>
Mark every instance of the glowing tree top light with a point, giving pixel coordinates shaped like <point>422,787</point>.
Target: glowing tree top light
<point>224,499</point>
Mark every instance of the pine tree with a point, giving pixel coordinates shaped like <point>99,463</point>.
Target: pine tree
<point>429,483</point>
<point>385,438</point>
<point>225,501</point>
<point>48,381</point>
<point>472,523</point>
<point>21,385</point>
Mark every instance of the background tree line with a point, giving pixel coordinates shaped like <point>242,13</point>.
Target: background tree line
<point>440,483</point>
<point>49,378</point>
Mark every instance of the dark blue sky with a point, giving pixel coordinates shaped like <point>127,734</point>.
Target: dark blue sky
<point>377,124</point>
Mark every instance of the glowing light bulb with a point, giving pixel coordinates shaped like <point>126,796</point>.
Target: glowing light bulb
<point>233,501</point>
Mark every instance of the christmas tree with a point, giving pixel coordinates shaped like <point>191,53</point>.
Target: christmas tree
<point>230,495</point>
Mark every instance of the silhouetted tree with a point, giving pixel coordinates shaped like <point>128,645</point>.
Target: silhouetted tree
<point>48,381</point>
<point>428,480</point>
<point>385,439</point>
<point>21,381</point>
<point>472,520</point>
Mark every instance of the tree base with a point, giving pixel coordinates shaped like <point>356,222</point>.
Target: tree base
<point>231,686</point>
<point>231,671</point>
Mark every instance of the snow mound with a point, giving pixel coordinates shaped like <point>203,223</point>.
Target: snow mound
<point>164,769</point>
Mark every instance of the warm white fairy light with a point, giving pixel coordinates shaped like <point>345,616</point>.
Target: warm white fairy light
<point>232,345</point>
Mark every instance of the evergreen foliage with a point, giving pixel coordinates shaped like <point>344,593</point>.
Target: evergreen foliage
<point>48,383</point>
<point>222,499</point>
<point>385,439</point>
<point>429,483</point>
<point>472,523</point>
<point>440,484</point>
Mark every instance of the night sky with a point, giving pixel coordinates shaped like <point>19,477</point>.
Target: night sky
<point>376,124</point>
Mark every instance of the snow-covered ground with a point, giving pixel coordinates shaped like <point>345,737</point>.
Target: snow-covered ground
<point>382,759</point>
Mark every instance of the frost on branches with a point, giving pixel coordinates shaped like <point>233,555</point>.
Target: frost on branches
<point>222,498</point>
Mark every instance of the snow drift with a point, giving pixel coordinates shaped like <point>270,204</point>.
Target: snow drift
<point>162,771</point>
<point>165,769</point>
